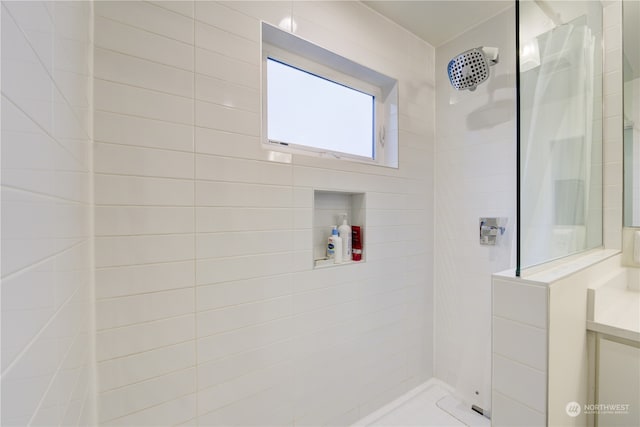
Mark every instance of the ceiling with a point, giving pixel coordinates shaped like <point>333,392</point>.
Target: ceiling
<point>437,22</point>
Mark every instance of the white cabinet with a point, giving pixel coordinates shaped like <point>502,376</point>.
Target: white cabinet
<point>618,383</point>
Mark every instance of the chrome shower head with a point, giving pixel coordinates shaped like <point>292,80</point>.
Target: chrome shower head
<point>470,68</point>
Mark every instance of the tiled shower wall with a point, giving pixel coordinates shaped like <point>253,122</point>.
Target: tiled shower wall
<point>47,329</point>
<point>612,127</point>
<point>208,307</point>
<point>475,177</point>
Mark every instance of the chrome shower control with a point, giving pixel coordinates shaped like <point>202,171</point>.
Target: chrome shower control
<point>490,229</point>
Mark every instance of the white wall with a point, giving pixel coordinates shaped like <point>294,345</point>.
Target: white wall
<point>47,329</point>
<point>208,309</point>
<point>612,126</point>
<point>475,177</point>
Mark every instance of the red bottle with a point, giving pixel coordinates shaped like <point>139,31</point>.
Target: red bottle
<point>356,242</point>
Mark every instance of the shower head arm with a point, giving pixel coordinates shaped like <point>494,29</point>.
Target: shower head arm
<point>492,54</point>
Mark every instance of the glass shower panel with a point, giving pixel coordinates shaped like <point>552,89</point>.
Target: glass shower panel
<point>631,94</point>
<point>560,133</point>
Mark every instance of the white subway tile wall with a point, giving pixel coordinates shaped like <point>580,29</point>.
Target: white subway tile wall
<point>612,125</point>
<point>519,352</point>
<point>208,308</point>
<point>475,177</point>
<point>511,413</point>
<point>47,300</point>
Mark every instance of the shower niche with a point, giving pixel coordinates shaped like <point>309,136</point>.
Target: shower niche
<point>328,209</point>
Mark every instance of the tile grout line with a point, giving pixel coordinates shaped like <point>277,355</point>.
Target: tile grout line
<point>135,27</point>
<point>59,201</point>
<point>54,377</point>
<point>77,242</point>
<point>146,408</point>
<point>195,227</point>
<point>149,379</point>
<point>40,126</point>
<point>32,341</point>
<point>53,82</point>
<point>94,378</point>
<point>138,353</point>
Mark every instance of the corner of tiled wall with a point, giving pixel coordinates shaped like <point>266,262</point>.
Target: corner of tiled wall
<point>47,334</point>
<point>475,177</point>
<point>612,125</point>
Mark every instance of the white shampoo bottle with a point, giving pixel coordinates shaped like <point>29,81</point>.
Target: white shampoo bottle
<point>345,234</point>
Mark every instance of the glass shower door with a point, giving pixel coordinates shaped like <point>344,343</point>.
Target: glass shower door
<point>560,129</point>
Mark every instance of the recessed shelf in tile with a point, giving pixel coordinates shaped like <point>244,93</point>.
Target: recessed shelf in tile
<point>328,209</point>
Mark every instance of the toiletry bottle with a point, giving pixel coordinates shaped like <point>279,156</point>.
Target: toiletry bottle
<point>337,245</point>
<point>357,242</point>
<point>331,244</point>
<point>345,234</point>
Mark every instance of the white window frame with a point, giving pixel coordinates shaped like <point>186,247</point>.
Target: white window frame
<point>299,53</point>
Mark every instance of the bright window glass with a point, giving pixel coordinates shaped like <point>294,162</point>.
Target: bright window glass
<point>307,110</point>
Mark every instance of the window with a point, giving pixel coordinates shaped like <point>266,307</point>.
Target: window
<point>309,110</point>
<point>318,103</point>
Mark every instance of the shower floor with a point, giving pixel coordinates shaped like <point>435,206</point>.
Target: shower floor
<point>428,405</point>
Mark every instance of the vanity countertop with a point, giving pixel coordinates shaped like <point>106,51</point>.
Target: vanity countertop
<point>614,309</point>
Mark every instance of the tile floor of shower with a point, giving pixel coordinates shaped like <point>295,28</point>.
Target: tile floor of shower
<point>431,404</point>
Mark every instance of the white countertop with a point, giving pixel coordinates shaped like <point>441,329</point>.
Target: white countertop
<point>615,309</point>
